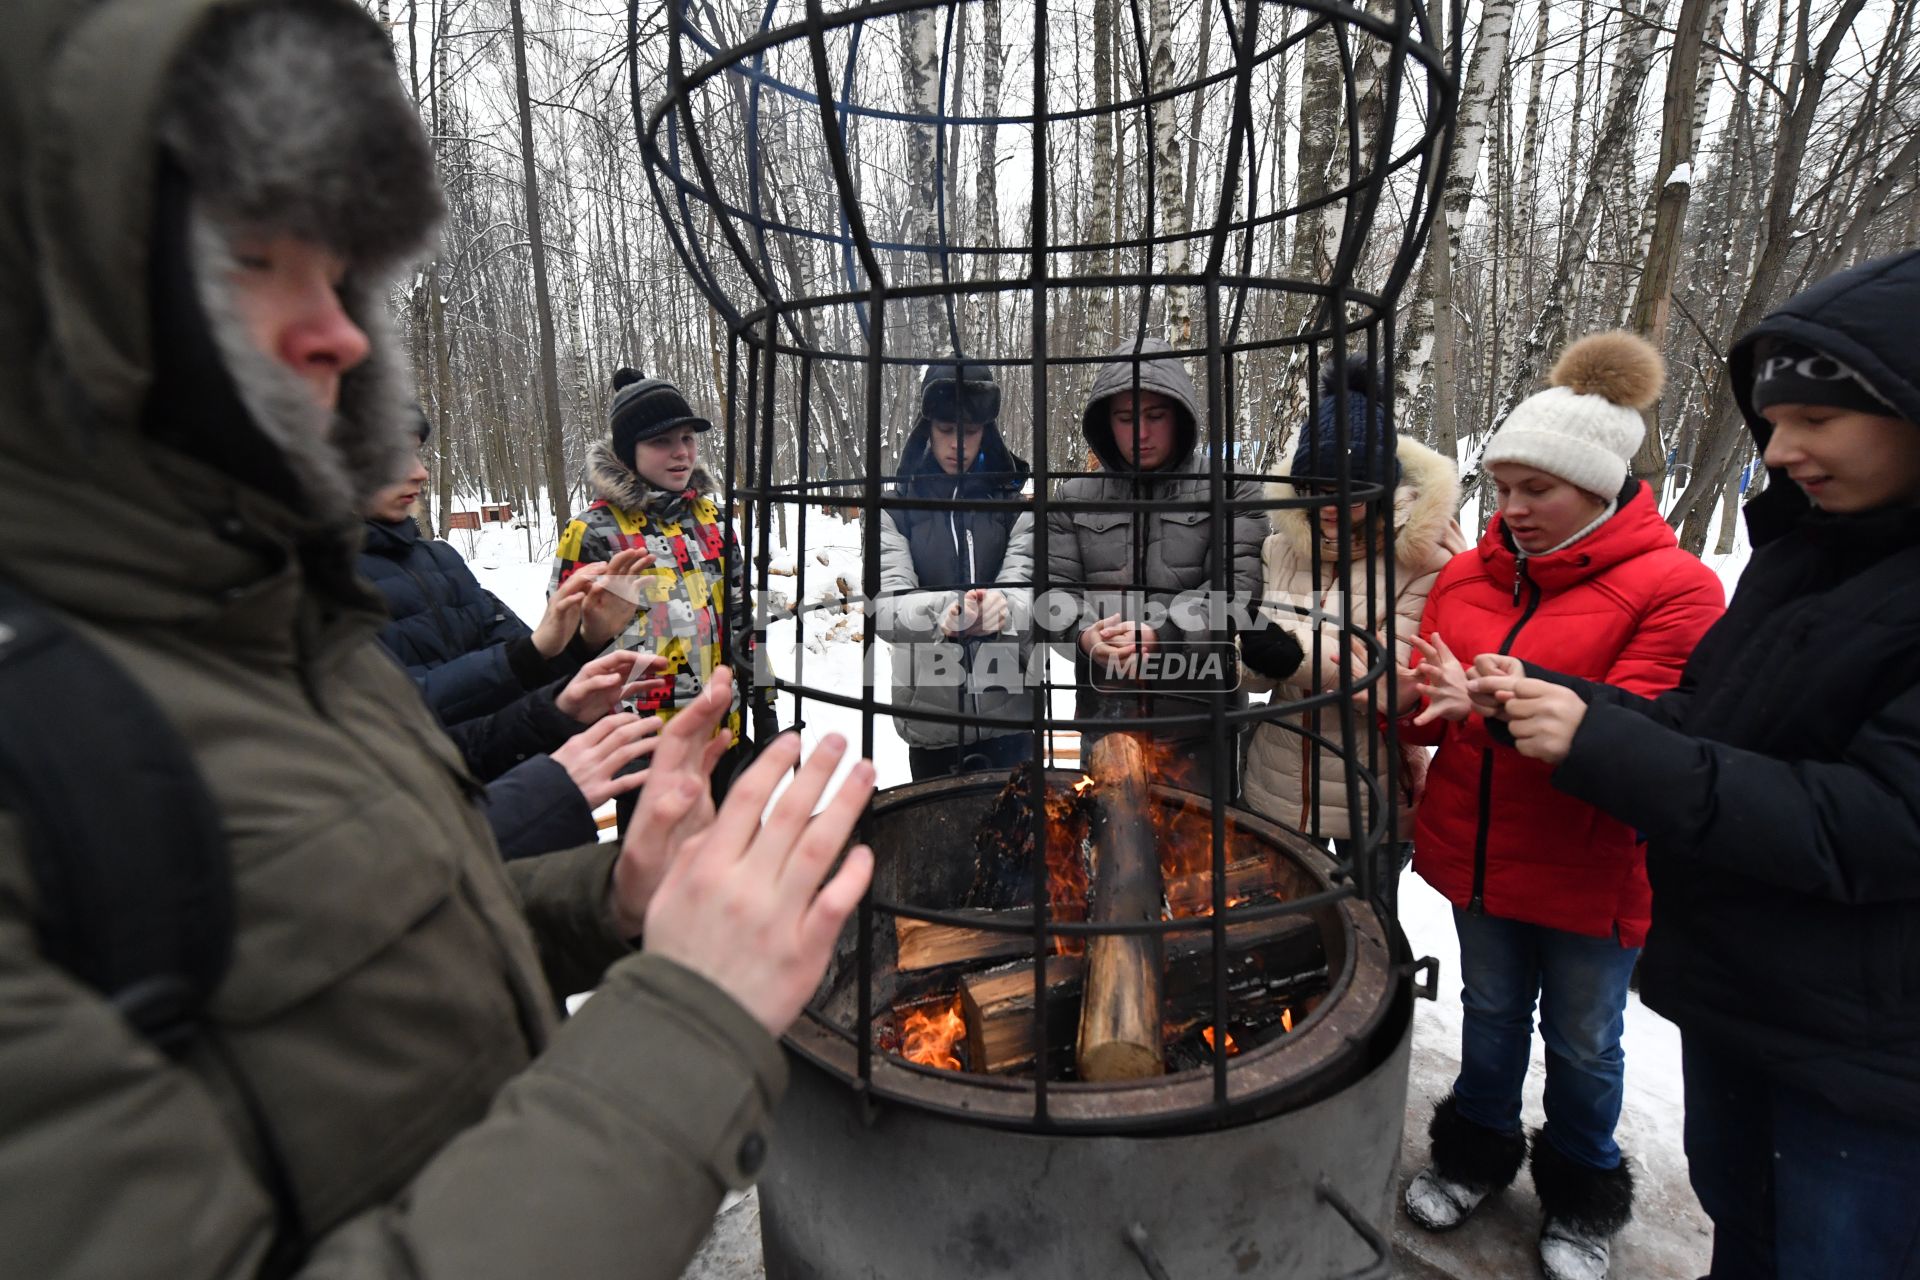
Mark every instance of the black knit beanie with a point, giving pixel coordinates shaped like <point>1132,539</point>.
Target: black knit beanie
<point>1793,373</point>
<point>643,408</point>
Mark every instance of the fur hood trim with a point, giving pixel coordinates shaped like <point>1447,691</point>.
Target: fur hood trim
<point>614,481</point>
<point>1423,507</point>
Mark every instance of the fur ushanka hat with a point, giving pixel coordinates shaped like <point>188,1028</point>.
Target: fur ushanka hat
<point>286,118</point>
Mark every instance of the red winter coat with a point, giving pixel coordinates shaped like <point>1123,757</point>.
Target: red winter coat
<point>1624,605</point>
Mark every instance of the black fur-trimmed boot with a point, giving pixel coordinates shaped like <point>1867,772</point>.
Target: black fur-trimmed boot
<point>1468,1164</point>
<point>1584,1209</point>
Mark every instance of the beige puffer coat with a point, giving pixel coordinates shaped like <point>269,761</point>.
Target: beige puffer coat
<point>1426,536</point>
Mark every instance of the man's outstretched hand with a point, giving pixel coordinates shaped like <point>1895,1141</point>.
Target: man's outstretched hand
<point>613,598</point>
<point>743,903</point>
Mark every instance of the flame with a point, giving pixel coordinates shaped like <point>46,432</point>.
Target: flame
<point>1184,831</point>
<point>928,1038</point>
<point>1067,876</point>
<point>1232,1048</point>
<point>1286,1019</point>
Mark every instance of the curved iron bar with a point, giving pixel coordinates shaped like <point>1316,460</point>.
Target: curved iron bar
<point>1359,183</point>
<point>722,60</point>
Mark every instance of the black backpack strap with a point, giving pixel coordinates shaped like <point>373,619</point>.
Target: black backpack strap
<point>129,860</point>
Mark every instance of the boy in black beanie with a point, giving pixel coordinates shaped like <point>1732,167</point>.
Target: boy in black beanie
<point>652,495</point>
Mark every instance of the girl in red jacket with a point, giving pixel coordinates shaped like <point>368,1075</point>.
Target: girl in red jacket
<point>1578,571</point>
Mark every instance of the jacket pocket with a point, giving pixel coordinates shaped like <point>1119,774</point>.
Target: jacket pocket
<point>1099,523</point>
<point>1184,538</point>
<point>337,891</point>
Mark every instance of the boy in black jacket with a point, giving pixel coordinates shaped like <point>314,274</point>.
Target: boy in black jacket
<point>1779,787</point>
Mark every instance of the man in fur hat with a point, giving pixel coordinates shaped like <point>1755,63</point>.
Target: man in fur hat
<point>202,205</point>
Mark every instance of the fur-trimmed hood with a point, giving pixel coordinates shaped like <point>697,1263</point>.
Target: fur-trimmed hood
<point>614,481</point>
<point>1424,504</point>
<point>130,139</point>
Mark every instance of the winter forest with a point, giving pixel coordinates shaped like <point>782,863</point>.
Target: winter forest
<point>1671,166</point>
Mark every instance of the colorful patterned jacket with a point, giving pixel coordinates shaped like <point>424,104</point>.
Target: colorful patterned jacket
<point>696,585</point>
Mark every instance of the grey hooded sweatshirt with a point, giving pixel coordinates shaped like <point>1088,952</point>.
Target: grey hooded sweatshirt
<point>1095,555</point>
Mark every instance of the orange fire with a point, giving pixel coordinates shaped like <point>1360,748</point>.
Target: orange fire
<point>1232,1048</point>
<point>1067,878</point>
<point>1286,1019</point>
<point>1185,832</point>
<point>928,1038</point>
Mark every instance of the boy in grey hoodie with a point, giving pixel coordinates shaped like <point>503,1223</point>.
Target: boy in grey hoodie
<point>1143,578</point>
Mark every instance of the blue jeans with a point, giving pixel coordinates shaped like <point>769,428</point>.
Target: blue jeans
<point>1796,1189</point>
<point>1581,986</point>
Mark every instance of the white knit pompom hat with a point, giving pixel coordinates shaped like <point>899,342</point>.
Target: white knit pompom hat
<point>1586,426</point>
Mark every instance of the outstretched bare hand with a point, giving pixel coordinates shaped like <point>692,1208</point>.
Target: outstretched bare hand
<point>743,903</point>
<point>1442,681</point>
<point>595,757</point>
<point>613,598</point>
<point>596,689</point>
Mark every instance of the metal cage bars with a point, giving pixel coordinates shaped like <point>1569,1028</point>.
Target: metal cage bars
<point>671,138</point>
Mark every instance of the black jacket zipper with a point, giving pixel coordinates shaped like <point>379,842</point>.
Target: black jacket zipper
<point>1476,905</point>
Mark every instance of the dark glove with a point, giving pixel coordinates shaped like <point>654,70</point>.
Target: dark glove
<point>1271,650</point>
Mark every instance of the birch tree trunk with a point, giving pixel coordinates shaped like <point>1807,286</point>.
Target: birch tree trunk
<point>1322,112</point>
<point>1430,341</point>
<point>442,392</point>
<point>1166,176</point>
<point>1100,228</point>
<point>1526,183</point>
<point>556,454</point>
<point>1196,119</point>
<point>986,181</point>
<point>1549,332</point>
<point>920,74</point>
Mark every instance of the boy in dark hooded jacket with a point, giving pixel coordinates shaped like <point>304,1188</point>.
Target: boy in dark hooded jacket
<point>512,698</point>
<point>956,585</point>
<point>1779,789</point>
<point>1142,579</point>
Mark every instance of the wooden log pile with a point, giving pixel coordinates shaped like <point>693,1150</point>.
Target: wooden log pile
<point>1131,1002</point>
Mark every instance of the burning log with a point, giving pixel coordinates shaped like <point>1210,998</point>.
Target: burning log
<point>1004,844</point>
<point>1249,878</point>
<point>1271,963</point>
<point>997,1008</point>
<point>924,944</point>
<point>1120,1014</point>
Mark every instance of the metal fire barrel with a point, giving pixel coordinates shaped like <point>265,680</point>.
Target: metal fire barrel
<point>904,1192</point>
